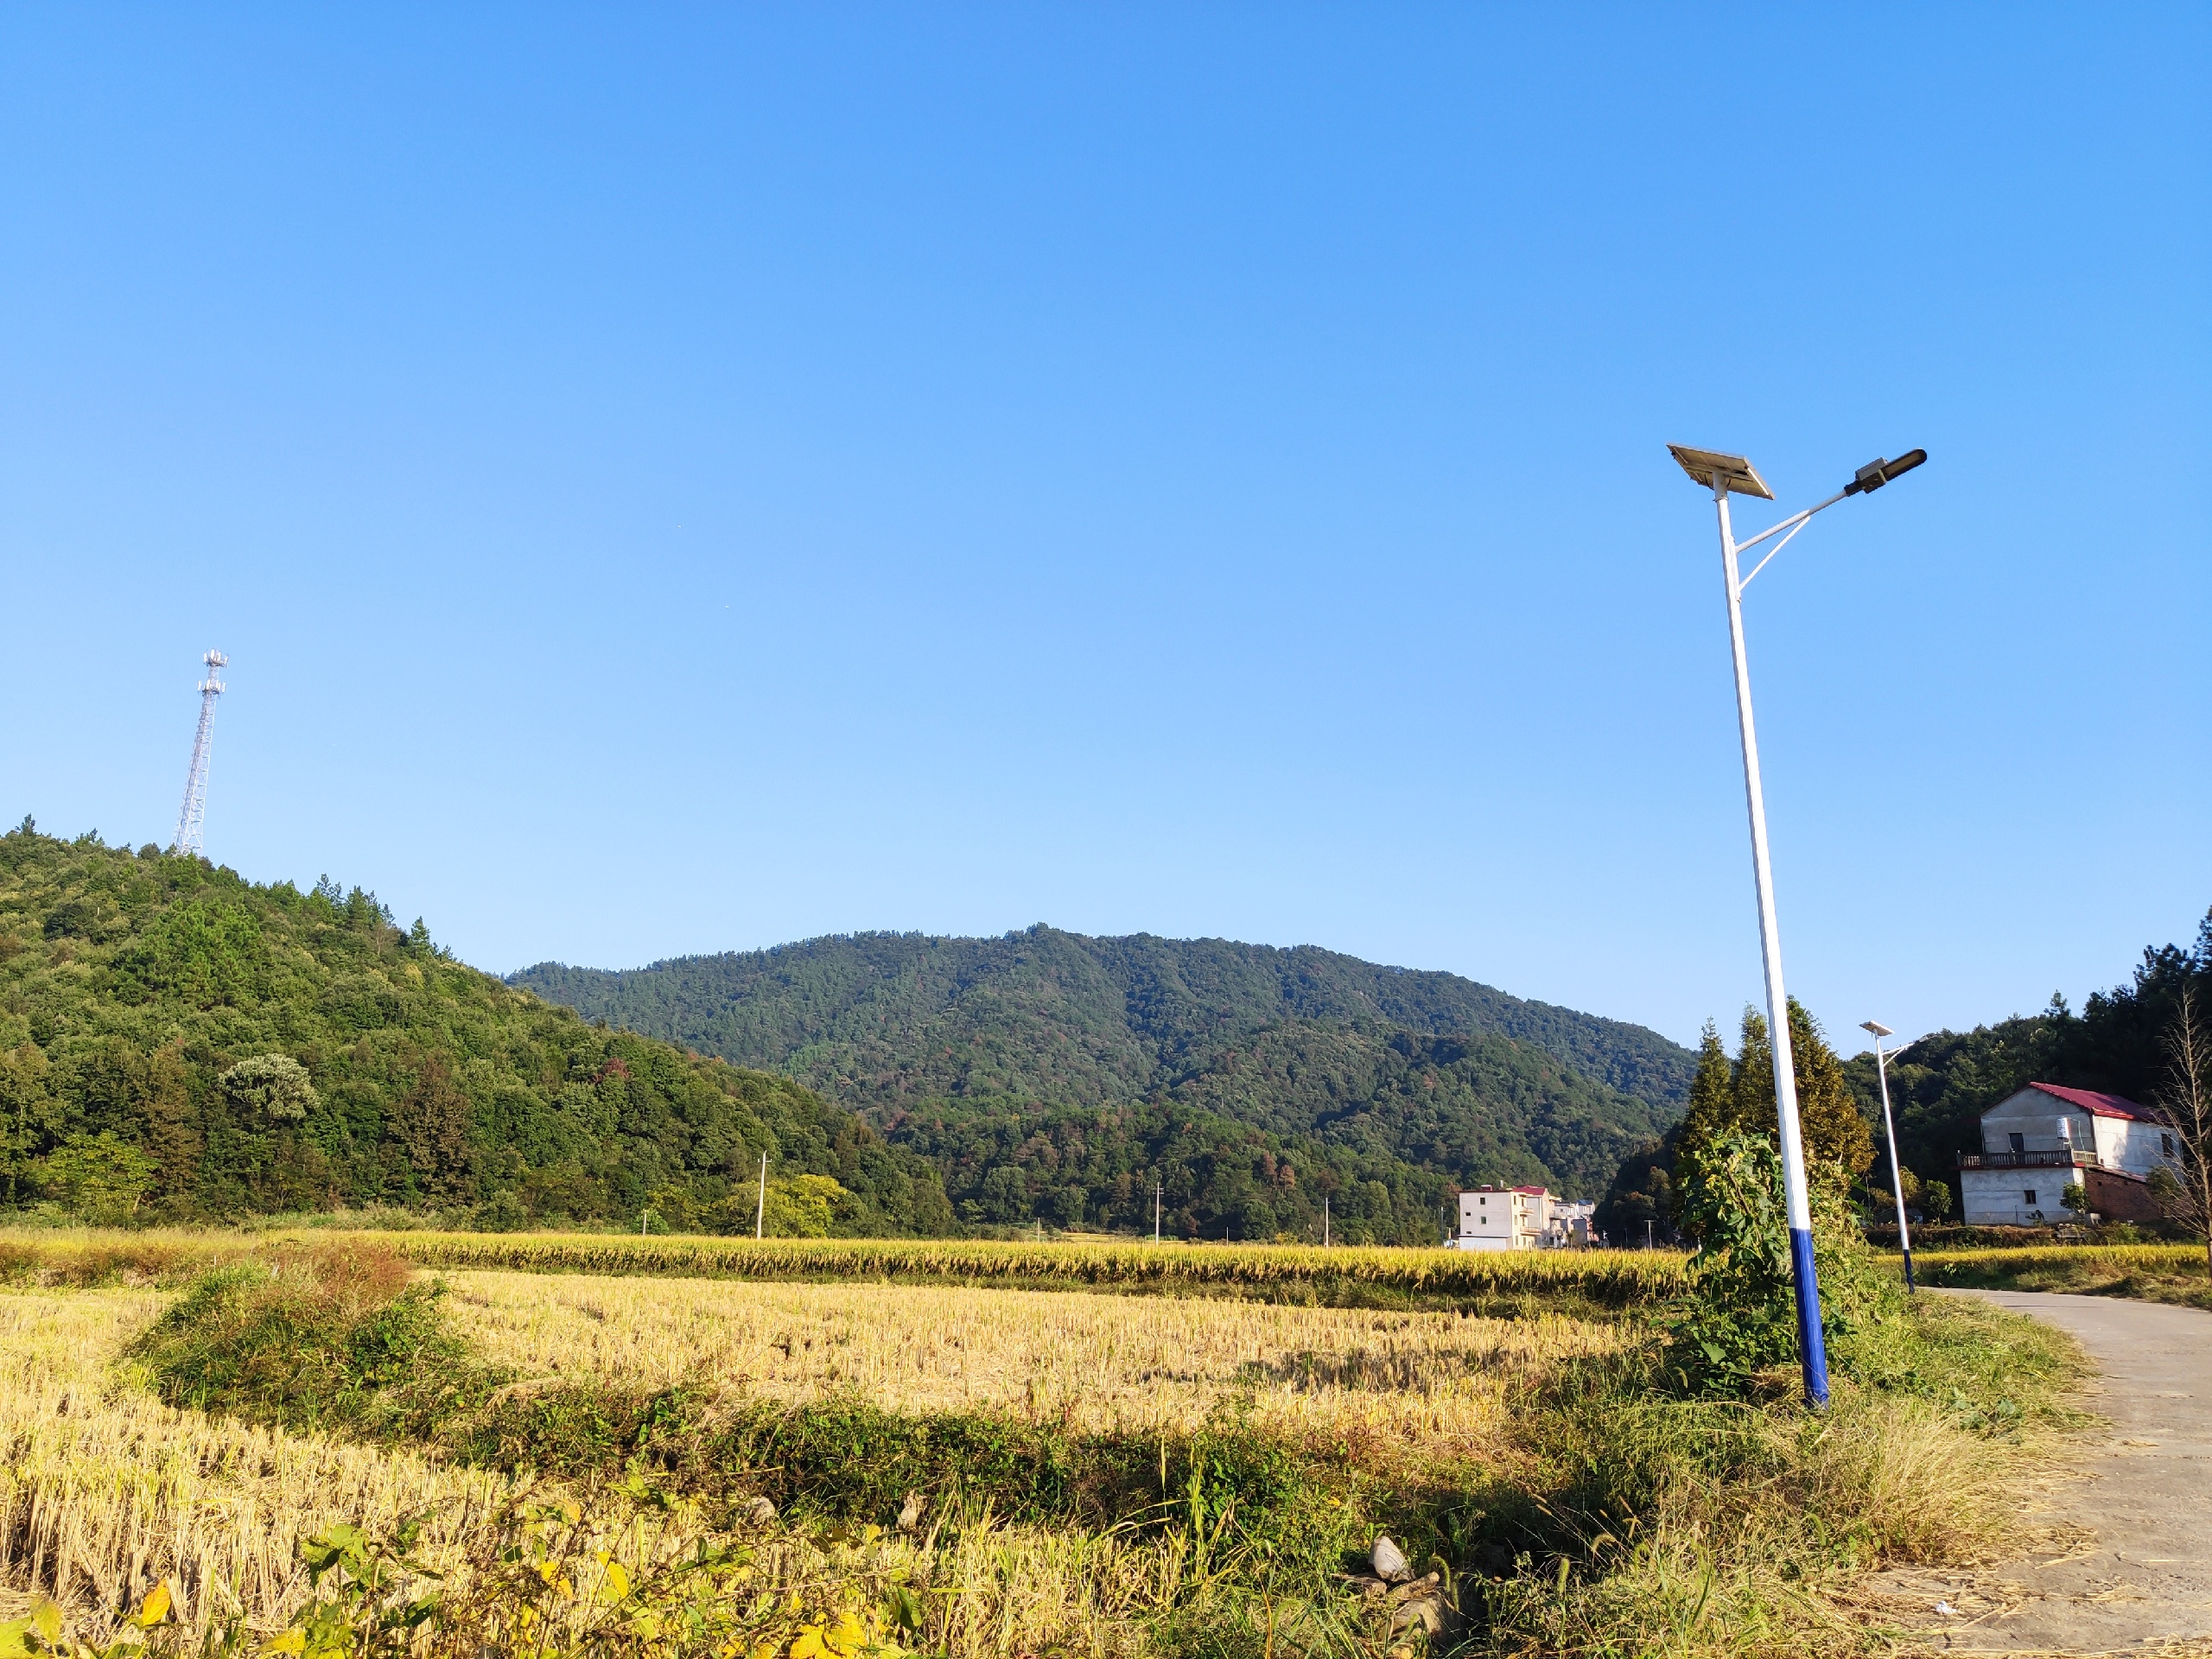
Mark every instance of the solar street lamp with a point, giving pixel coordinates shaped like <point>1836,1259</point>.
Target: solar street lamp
<point>1725,475</point>
<point>1889,1126</point>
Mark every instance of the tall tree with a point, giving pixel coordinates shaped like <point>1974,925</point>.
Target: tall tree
<point>1839,1144</point>
<point>1731,1097</point>
<point>433,1123</point>
<point>169,1131</point>
<point>1713,1111</point>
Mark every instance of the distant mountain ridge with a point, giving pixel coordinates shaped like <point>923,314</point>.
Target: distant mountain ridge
<point>1422,1068</point>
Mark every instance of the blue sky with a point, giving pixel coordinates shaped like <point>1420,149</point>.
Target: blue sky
<point>670,479</point>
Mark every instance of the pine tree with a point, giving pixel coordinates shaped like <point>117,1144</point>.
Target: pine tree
<point>1838,1144</point>
<point>1711,1114</point>
<point>169,1130</point>
<point>433,1124</point>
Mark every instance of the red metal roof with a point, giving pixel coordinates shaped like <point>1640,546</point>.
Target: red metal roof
<point>2099,1105</point>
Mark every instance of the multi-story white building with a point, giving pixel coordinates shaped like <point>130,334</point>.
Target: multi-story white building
<point>1574,1221</point>
<point>1519,1218</point>
<point>2043,1139</point>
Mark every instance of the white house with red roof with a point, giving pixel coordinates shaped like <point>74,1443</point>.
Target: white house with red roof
<point>2045,1138</point>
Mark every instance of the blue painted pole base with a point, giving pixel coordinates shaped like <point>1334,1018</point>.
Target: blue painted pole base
<point>1812,1348</point>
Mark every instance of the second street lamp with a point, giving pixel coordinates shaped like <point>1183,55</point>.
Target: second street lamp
<point>1889,1127</point>
<point>1725,475</point>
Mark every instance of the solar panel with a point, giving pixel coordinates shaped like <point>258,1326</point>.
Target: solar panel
<point>1740,477</point>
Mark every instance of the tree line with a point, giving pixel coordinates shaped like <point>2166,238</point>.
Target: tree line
<point>2122,1041</point>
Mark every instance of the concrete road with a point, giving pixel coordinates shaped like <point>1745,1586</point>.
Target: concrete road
<point>2141,1577</point>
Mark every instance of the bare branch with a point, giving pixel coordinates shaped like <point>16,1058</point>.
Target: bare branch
<point>2187,1098</point>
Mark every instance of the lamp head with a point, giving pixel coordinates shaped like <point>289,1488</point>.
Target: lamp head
<point>1876,1028</point>
<point>1878,471</point>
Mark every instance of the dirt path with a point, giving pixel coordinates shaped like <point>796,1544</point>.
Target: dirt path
<point>2142,1576</point>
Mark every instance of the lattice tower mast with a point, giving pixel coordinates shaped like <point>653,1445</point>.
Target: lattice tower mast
<point>191,817</point>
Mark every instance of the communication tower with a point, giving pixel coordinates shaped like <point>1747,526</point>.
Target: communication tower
<point>191,817</point>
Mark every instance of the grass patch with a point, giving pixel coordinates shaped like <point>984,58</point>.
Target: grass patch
<point>2148,1272</point>
<point>83,1259</point>
<point>1651,1522</point>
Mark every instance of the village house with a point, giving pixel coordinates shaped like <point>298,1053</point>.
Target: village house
<point>1520,1218</point>
<point>2043,1139</point>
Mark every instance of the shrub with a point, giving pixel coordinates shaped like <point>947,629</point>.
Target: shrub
<point>1738,1314</point>
<point>329,1337</point>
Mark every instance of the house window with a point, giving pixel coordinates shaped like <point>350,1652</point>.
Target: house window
<point>2030,1195</point>
<point>2019,1143</point>
<point>2165,1146</point>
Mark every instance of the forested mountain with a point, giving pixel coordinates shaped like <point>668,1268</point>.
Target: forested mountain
<point>177,1042</point>
<point>952,1045</point>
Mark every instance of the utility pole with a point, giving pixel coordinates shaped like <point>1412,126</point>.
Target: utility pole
<point>192,815</point>
<point>1155,1211</point>
<point>1324,1221</point>
<point>761,1205</point>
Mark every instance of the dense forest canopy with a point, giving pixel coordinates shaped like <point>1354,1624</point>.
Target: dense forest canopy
<point>178,1042</point>
<point>1049,1016</point>
<point>1420,1080</point>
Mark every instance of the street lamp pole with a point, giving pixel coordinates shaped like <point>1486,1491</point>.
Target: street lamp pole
<point>1725,475</point>
<point>1812,1348</point>
<point>1889,1127</point>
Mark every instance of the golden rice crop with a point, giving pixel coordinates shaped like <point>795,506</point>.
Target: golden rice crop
<point>86,1255</point>
<point>1274,1272</point>
<point>1403,1381</point>
<point>2120,1258</point>
<point>1611,1277</point>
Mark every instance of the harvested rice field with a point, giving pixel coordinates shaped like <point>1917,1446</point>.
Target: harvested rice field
<point>1426,1383</point>
<point>518,1460</point>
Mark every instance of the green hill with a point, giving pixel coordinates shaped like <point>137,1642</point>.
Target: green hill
<point>178,1042</point>
<point>966,1049</point>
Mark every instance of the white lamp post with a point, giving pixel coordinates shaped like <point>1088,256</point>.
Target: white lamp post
<point>1889,1127</point>
<point>1725,475</point>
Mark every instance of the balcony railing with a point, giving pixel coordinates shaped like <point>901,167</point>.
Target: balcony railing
<point>2077,1157</point>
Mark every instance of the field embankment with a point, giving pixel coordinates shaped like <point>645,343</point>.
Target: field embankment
<point>2149,1272</point>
